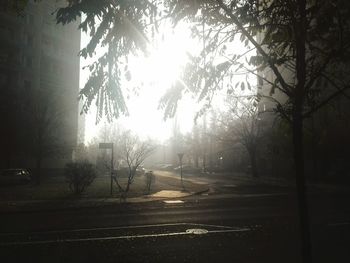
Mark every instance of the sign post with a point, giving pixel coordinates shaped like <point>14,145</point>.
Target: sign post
<point>104,145</point>
<point>181,155</point>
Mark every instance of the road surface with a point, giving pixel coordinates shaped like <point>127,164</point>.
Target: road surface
<point>234,222</point>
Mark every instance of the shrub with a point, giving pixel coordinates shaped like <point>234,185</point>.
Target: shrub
<point>79,175</point>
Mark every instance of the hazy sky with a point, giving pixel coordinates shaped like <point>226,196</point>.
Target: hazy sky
<point>157,73</point>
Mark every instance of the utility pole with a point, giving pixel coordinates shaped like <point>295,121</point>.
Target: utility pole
<point>180,155</point>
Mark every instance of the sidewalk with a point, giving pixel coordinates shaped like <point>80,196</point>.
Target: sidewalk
<point>164,188</point>
<point>52,205</point>
<point>283,182</point>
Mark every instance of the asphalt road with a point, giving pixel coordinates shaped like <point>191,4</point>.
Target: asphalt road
<point>235,222</point>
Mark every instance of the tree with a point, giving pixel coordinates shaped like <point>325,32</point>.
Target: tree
<point>304,44</point>
<point>119,28</point>
<point>44,119</point>
<point>242,125</point>
<point>194,147</point>
<point>79,175</point>
<point>133,152</point>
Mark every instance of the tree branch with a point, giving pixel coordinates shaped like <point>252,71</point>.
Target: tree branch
<point>235,20</point>
<point>323,103</point>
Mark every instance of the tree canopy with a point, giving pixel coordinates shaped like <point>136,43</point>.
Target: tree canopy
<point>277,34</point>
<point>119,28</point>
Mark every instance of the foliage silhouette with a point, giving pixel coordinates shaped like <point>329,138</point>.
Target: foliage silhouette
<point>79,176</point>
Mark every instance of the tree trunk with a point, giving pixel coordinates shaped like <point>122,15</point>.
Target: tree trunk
<point>129,181</point>
<point>300,183</point>
<point>314,151</point>
<point>127,187</point>
<point>300,30</point>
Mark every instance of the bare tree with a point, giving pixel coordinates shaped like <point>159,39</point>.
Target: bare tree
<point>45,121</point>
<point>240,125</point>
<point>133,152</point>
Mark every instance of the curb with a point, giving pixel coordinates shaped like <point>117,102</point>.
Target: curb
<point>201,192</point>
<point>45,206</point>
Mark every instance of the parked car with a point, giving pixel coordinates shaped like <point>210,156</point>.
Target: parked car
<point>124,172</point>
<point>140,170</point>
<point>14,176</point>
<point>163,167</point>
<point>167,167</point>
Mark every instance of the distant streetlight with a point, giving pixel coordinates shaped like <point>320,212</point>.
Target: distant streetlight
<point>104,145</point>
<point>180,155</point>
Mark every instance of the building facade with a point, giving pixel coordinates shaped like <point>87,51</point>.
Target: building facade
<point>39,81</point>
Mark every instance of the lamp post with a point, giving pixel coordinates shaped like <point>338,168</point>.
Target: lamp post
<point>180,155</point>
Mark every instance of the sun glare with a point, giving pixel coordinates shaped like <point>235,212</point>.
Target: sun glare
<point>151,77</point>
<point>163,65</point>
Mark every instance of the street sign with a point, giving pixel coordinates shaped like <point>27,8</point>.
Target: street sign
<point>180,156</point>
<point>106,145</point>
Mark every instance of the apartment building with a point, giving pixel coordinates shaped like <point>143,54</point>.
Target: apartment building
<point>39,82</point>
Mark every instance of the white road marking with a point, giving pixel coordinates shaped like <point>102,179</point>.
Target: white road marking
<point>41,242</point>
<point>222,229</point>
<point>112,228</point>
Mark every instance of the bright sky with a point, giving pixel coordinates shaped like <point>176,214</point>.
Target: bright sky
<point>157,72</point>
